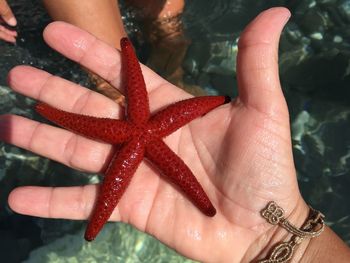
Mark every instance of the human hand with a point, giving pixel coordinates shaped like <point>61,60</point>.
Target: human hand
<point>240,152</point>
<point>6,16</point>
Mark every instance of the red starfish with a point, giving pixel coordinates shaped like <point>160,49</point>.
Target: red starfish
<point>140,135</point>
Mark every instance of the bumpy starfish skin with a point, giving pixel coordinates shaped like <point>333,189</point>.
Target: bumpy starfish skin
<point>140,135</point>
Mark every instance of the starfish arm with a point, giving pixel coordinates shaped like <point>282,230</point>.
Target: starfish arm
<point>137,97</point>
<point>180,113</point>
<point>103,129</point>
<point>177,171</point>
<point>116,180</point>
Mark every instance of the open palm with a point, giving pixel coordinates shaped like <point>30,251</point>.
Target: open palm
<point>240,152</point>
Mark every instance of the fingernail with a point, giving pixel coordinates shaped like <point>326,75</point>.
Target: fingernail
<point>287,16</point>
<point>12,21</point>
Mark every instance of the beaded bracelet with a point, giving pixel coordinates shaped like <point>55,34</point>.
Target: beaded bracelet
<point>283,251</point>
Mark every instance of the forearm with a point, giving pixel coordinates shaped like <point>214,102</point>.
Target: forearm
<point>328,247</point>
<point>100,18</point>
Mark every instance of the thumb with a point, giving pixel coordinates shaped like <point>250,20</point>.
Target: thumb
<point>257,62</point>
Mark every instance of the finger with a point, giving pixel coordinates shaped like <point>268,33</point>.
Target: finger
<point>92,53</point>
<point>49,202</point>
<point>60,93</point>
<point>77,202</point>
<point>8,31</point>
<point>4,35</point>
<point>54,143</point>
<point>6,13</point>
<point>257,62</point>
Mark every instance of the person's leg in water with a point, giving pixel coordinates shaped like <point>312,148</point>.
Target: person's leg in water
<point>100,18</point>
<point>161,20</point>
<point>162,27</point>
<point>157,9</point>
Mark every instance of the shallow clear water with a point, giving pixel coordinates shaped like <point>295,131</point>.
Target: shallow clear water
<point>314,69</point>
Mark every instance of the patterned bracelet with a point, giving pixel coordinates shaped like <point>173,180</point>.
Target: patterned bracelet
<point>283,252</point>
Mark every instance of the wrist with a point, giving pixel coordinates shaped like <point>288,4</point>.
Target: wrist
<point>304,244</point>
<point>276,234</point>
